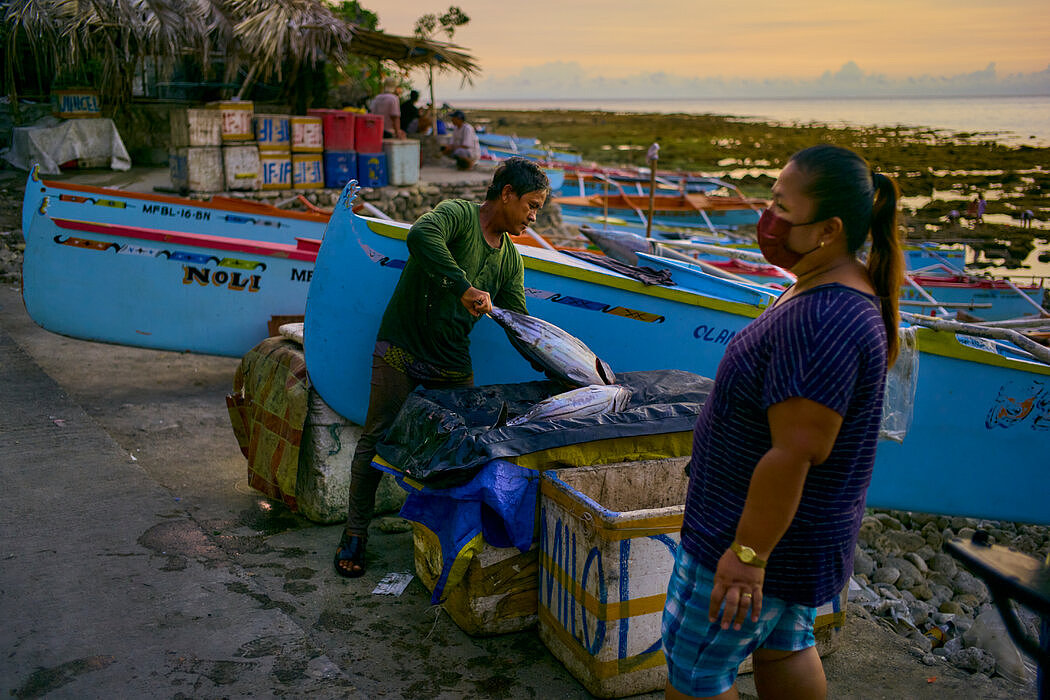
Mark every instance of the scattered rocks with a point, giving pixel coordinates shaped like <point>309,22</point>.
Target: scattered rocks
<point>11,246</point>
<point>973,659</point>
<point>922,592</point>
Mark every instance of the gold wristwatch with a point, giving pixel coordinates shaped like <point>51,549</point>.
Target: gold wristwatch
<point>747,555</point>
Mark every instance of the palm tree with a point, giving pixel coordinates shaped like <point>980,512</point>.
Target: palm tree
<point>105,42</point>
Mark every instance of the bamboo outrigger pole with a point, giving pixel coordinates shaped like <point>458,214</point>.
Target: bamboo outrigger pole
<point>1040,352</point>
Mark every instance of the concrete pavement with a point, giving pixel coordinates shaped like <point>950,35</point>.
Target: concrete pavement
<point>108,587</point>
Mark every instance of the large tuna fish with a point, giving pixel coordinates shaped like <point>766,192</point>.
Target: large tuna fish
<point>588,401</point>
<point>551,350</point>
<point>625,246</point>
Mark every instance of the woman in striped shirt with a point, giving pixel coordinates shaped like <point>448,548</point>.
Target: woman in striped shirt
<point>784,447</point>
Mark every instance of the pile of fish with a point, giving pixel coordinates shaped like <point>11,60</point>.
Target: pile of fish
<point>562,357</point>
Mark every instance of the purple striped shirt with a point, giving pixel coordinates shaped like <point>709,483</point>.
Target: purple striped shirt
<point>828,345</point>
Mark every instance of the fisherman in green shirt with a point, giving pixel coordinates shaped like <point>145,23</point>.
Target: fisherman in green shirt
<point>461,261</point>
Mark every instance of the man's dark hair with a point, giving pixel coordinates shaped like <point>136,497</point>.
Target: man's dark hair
<point>521,174</point>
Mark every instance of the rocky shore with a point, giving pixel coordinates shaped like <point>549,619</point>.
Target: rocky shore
<point>906,581</point>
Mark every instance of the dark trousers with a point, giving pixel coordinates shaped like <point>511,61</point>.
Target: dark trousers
<point>390,388</point>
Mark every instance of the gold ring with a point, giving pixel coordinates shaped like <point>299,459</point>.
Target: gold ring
<point>747,595</point>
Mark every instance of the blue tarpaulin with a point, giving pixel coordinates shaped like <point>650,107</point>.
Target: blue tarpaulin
<point>497,506</point>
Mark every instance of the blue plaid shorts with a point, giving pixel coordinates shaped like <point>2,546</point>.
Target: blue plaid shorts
<point>702,658</point>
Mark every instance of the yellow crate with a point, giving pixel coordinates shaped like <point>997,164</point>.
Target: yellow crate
<point>497,593</point>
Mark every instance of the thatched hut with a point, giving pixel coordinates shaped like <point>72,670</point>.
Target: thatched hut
<point>126,48</point>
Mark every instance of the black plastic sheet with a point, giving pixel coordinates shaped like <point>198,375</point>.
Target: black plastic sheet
<point>442,437</point>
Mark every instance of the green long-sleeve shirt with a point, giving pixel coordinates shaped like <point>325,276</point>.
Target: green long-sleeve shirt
<point>447,255</point>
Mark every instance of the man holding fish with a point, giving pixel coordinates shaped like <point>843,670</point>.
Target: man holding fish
<point>461,260</point>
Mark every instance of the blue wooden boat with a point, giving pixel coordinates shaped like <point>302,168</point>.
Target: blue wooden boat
<point>542,155</point>
<point>920,256</point>
<point>980,427</point>
<point>502,146</point>
<point>945,293</point>
<point>690,210</point>
<point>988,298</point>
<point>581,182</point>
<point>508,142</point>
<point>162,272</point>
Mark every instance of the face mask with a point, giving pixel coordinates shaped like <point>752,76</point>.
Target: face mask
<point>772,240</point>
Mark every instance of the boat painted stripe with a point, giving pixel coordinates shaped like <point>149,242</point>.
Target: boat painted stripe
<point>573,271</point>
<point>198,240</point>
<point>972,284</point>
<point>218,203</point>
<point>945,344</point>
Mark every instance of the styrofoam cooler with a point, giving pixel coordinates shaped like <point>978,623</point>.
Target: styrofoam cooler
<point>273,132</point>
<point>195,127</point>
<point>371,170</point>
<point>197,169</point>
<point>368,133</point>
<point>340,167</point>
<point>275,170</point>
<point>307,135</point>
<point>307,171</point>
<point>236,118</point>
<point>402,161</point>
<point>608,536</point>
<point>240,165</point>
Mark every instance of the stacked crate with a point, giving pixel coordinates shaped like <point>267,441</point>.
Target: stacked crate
<point>340,157</point>
<point>371,160</point>
<point>195,157</point>
<point>240,154</point>
<point>307,146</point>
<point>273,133</point>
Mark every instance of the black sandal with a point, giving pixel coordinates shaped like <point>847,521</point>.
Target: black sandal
<point>351,549</point>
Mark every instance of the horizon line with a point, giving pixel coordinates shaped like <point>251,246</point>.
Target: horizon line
<point>758,98</point>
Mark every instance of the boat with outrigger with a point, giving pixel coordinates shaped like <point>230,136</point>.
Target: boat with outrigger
<point>961,396</point>
<point>141,270</point>
<point>938,289</point>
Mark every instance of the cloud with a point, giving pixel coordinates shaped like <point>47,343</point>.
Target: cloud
<point>569,80</point>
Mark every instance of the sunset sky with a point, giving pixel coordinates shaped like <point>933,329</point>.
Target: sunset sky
<point>731,41</point>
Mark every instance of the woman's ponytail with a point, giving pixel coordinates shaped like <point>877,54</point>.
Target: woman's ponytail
<point>886,260</point>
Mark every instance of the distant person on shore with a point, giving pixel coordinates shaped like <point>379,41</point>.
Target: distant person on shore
<point>1026,218</point>
<point>981,206</point>
<point>461,261</point>
<point>971,211</point>
<point>464,147</point>
<point>784,447</point>
<point>388,104</point>
<point>410,113</point>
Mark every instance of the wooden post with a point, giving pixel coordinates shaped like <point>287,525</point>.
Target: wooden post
<point>605,206</point>
<point>651,156</point>
<point>433,108</point>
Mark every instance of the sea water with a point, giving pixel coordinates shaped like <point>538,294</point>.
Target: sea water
<point>1014,120</point>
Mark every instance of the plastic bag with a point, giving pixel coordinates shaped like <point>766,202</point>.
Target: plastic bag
<point>898,402</point>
